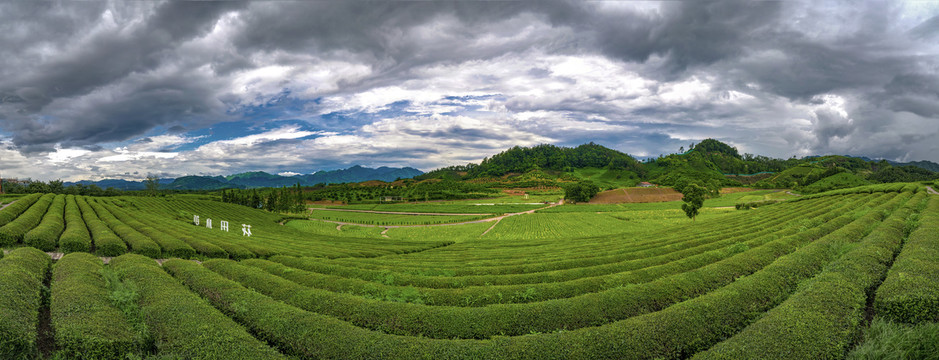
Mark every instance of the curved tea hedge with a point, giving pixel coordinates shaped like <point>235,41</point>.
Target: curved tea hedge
<point>21,275</point>
<point>911,291</point>
<point>45,236</point>
<point>76,237</point>
<point>87,324</point>
<point>182,324</point>
<point>14,231</point>
<point>14,210</point>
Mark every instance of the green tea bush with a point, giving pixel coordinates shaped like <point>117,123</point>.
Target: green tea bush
<point>182,323</point>
<point>14,210</point>
<point>14,231</point>
<point>45,236</point>
<point>203,247</point>
<point>87,325</point>
<point>822,319</point>
<point>171,246</point>
<point>106,243</point>
<point>910,293</point>
<point>75,238</point>
<point>137,242</point>
<point>21,276</point>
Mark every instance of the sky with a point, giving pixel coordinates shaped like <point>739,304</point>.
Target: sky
<point>93,90</point>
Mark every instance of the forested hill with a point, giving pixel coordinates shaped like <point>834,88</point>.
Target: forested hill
<point>543,157</point>
<point>709,161</point>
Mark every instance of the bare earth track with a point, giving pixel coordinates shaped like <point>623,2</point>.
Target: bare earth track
<point>5,206</point>
<point>931,191</point>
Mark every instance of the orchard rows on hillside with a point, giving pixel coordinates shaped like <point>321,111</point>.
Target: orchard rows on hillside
<point>795,280</point>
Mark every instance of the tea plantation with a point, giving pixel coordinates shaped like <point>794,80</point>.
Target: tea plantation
<point>828,276</point>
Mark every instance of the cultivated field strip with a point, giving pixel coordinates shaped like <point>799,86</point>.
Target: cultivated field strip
<point>835,300</point>
<point>518,319</point>
<point>181,323</point>
<point>539,250</point>
<point>14,231</point>
<point>45,236</point>
<point>270,237</point>
<point>14,210</point>
<point>22,272</point>
<point>136,242</point>
<point>551,246</point>
<point>546,286</point>
<point>105,241</point>
<point>87,323</point>
<point>75,237</point>
<point>910,293</point>
<point>317,265</point>
<point>619,248</point>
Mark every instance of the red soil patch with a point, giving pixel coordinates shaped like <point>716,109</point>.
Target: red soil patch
<point>636,195</point>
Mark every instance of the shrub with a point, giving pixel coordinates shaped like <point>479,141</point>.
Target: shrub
<point>184,324</point>
<point>75,238</point>
<point>106,243</point>
<point>910,293</point>
<point>21,275</point>
<point>137,242</point>
<point>821,320</point>
<point>14,231</point>
<point>45,236</point>
<point>87,325</point>
<point>171,247</point>
<point>14,210</point>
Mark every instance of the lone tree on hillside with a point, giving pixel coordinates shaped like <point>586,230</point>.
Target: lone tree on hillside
<point>153,185</point>
<point>694,199</point>
<point>581,192</point>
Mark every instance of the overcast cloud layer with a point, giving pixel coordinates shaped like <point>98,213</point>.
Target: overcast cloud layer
<point>91,90</point>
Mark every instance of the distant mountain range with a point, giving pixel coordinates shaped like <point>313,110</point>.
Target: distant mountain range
<point>258,179</point>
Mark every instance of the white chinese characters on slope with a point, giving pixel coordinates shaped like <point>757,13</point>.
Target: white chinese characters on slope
<point>223,225</point>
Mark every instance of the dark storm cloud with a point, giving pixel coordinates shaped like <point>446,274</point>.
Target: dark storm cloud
<point>88,73</point>
<point>685,33</point>
<point>107,59</point>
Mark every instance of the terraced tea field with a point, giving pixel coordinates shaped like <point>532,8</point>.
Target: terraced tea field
<point>801,279</point>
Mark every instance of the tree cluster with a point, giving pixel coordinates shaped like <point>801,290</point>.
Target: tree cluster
<point>283,199</point>
<point>581,191</point>
<point>58,187</point>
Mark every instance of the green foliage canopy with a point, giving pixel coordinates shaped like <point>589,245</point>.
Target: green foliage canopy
<point>581,191</point>
<point>694,195</point>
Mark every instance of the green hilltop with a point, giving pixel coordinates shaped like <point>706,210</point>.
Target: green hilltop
<point>710,161</point>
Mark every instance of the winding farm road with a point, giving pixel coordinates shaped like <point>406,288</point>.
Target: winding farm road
<point>930,190</point>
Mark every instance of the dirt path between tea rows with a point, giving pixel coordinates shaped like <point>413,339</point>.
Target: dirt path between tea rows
<point>5,206</point>
<point>931,191</point>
